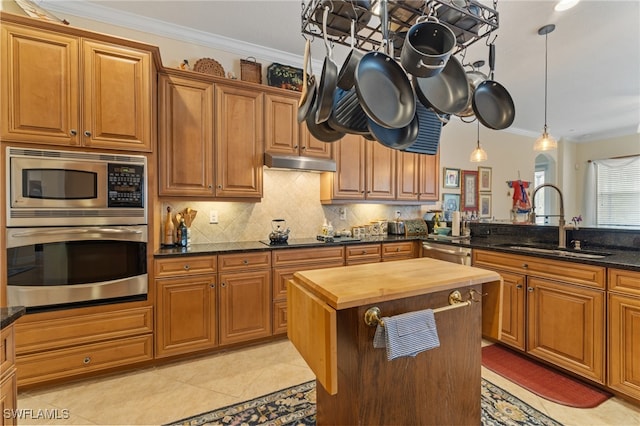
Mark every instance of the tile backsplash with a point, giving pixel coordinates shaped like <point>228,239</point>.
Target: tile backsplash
<point>290,195</point>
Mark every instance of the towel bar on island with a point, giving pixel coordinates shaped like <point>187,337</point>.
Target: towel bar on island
<point>372,315</point>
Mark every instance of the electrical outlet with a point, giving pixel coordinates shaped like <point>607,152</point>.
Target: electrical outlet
<point>343,213</point>
<point>213,216</point>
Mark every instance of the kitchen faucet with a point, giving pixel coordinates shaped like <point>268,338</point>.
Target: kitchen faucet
<point>562,236</point>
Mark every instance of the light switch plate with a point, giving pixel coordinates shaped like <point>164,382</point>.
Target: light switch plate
<point>213,216</point>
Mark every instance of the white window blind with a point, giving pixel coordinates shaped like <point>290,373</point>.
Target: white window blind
<point>618,192</point>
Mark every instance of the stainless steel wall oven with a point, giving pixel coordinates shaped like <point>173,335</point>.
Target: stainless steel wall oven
<point>76,228</point>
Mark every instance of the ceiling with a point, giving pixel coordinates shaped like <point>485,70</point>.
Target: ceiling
<point>593,54</point>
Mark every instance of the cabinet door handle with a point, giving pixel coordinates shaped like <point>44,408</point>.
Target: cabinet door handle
<point>223,284</point>
<point>186,267</point>
<point>295,147</point>
<point>73,132</point>
<point>530,289</point>
<point>519,286</point>
<point>245,261</point>
<point>87,133</point>
<point>304,147</point>
<point>219,186</point>
<point>86,360</point>
<point>212,285</point>
<point>209,186</point>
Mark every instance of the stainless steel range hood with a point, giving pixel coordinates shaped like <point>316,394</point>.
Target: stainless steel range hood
<point>295,162</point>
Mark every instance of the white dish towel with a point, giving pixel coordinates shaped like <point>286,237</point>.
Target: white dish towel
<point>407,334</point>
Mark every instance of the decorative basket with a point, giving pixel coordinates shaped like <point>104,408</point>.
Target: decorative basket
<point>209,66</point>
<point>250,70</point>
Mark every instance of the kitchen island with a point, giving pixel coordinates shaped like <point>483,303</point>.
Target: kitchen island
<point>356,383</point>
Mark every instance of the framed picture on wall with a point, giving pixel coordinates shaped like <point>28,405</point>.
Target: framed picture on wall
<point>469,190</point>
<point>450,178</point>
<point>484,179</point>
<point>451,202</point>
<point>485,205</point>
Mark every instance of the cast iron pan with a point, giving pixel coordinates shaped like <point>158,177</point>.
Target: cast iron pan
<point>347,114</point>
<point>384,91</point>
<point>492,103</point>
<point>321,131</point>
<point>399,138</point>
<point>446,92</point>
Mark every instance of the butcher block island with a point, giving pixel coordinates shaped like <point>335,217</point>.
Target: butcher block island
<point>333,315</point>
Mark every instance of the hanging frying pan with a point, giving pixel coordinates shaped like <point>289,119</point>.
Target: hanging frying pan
<point>384,91</point>
<point>328,80</point>
<point>447,92</point>
<point>398,138</point>
<point>321,131</point>
<point>308,95</point>
<point>492,103</point>
<point>348,69</point>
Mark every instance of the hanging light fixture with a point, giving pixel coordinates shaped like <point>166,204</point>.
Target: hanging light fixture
<point>546,142</point>
<point>563,5</point>
<point>478,155</point>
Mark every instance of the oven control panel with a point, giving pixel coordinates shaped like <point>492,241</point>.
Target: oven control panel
<point>126,185</point>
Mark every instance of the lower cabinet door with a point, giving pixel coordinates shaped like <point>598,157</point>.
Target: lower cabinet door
<point>566,325</point>
<point>624,344</point>
<point>513,310</point>
<point>186,315</point>
<point>245,306</point>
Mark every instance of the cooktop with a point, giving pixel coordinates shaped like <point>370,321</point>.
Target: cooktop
<point>310,241</point>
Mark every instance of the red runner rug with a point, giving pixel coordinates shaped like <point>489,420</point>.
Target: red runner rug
<point>541,379</point>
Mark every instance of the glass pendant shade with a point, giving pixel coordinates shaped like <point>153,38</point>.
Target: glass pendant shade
<point>478,155</point>
<point>546,142</point>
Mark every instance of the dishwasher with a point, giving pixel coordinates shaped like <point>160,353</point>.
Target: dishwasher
<point>447,252</point>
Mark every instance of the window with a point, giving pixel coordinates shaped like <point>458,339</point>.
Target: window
<point>618,192</point>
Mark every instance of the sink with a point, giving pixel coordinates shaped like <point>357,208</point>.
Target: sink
<point>560,252</point>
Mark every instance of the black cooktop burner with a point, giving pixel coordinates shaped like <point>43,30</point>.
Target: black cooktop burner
<point>309,241</point>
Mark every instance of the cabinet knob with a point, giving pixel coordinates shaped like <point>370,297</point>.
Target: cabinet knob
<point>212,285</point>
<point>397,248</point>
<point>219,186</point>
<point>209,186</point>
<point>295,147</point>
<point>245,261</point>
<point>87,133</point>
<point>304,147</point>
<point>186,267</point>
<point>519,286</point>
<point>86,360</point>
<point>525,265</point>
<point>530,289</point>
<point>364,252</point>
<point>223,284</point>
<point>73,132</point>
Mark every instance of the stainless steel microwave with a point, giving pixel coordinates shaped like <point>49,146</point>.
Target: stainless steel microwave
<point>67,188</point>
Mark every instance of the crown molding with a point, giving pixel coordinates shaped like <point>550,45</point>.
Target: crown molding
<point>176,32</point>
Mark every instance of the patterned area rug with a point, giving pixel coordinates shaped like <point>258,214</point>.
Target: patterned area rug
<point>297,406</point>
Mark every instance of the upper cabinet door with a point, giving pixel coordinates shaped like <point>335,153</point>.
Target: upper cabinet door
<point>39,86</point>
<point>429,182</point>
<point>381,171</point>
<point>239,142</point>
<point>185,137</point>
<point>117,97</point>
<point>282,131</point>
<point>408,167</point>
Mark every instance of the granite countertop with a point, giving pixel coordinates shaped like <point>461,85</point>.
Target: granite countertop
<point>10,314</point>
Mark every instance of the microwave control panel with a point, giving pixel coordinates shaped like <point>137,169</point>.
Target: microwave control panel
<point>126,185</point>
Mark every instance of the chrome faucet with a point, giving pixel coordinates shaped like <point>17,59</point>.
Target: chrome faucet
<point>562,236</point>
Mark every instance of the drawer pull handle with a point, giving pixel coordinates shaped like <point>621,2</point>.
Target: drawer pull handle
<point>86,360</point>
<point>364,252</point>
<point>245,261</point>
<point>186,267</point>
<point>398,249</point>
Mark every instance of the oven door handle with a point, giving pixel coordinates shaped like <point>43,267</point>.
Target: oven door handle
<point>69,231</point>
<point>439,250</point>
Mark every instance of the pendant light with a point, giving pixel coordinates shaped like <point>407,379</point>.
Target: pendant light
<point>478,155</point>
<point>546,142</point>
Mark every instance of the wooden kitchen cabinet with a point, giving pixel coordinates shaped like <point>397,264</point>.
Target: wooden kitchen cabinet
<point>244,296</point>
<point>185,136</point>
<point>284,135</point>
<point>363,253</point>
<point>287,262</point>
<point>8,381</point>
<point>239,136</point>
<point>365,170</point>
<point>418,177</point>
<point>560,318</point>
<point>186,304</point>
<point>623,326</point>
<point>399,251</point>
<point>73,90</point>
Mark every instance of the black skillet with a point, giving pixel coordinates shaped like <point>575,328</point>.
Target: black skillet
<point>308,95</point>
<point>492,103</point>
<point>328,80</point>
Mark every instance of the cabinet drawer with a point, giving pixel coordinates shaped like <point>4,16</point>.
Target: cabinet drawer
<point>49,365</point>
<point>363,253</point>
<point>242,261</point>
<point>404,249</point>
<point>571,272</point>
<point>77,330</point>
<point>304,256</point>
<point>624,281</point>
<point>188,265</point>
<point>282,275</point>
<point>7,349</point>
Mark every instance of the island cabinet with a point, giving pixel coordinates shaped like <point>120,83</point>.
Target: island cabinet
<point>284,135</point>
<point>57,345</point>
<point>365,170</point>
<point>418,177</point>
<point>288,261</point>
<point>553,310</point>
<point>210,137</point>
<point>8,381</point>
<point>186,308</point>
<point>624,338</point>
<point>331,325</point>
<point>244,296</point>
<point>63,86</point>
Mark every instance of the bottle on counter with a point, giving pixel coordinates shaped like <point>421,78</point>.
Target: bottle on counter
<point>182,234</point>
<point>168,238</point>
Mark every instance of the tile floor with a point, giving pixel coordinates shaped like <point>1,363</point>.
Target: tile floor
<point>170,392</point>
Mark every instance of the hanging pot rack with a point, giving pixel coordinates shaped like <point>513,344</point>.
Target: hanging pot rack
<point>470,21</point>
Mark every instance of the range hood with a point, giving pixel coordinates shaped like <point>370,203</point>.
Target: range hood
<point>296,162</point>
